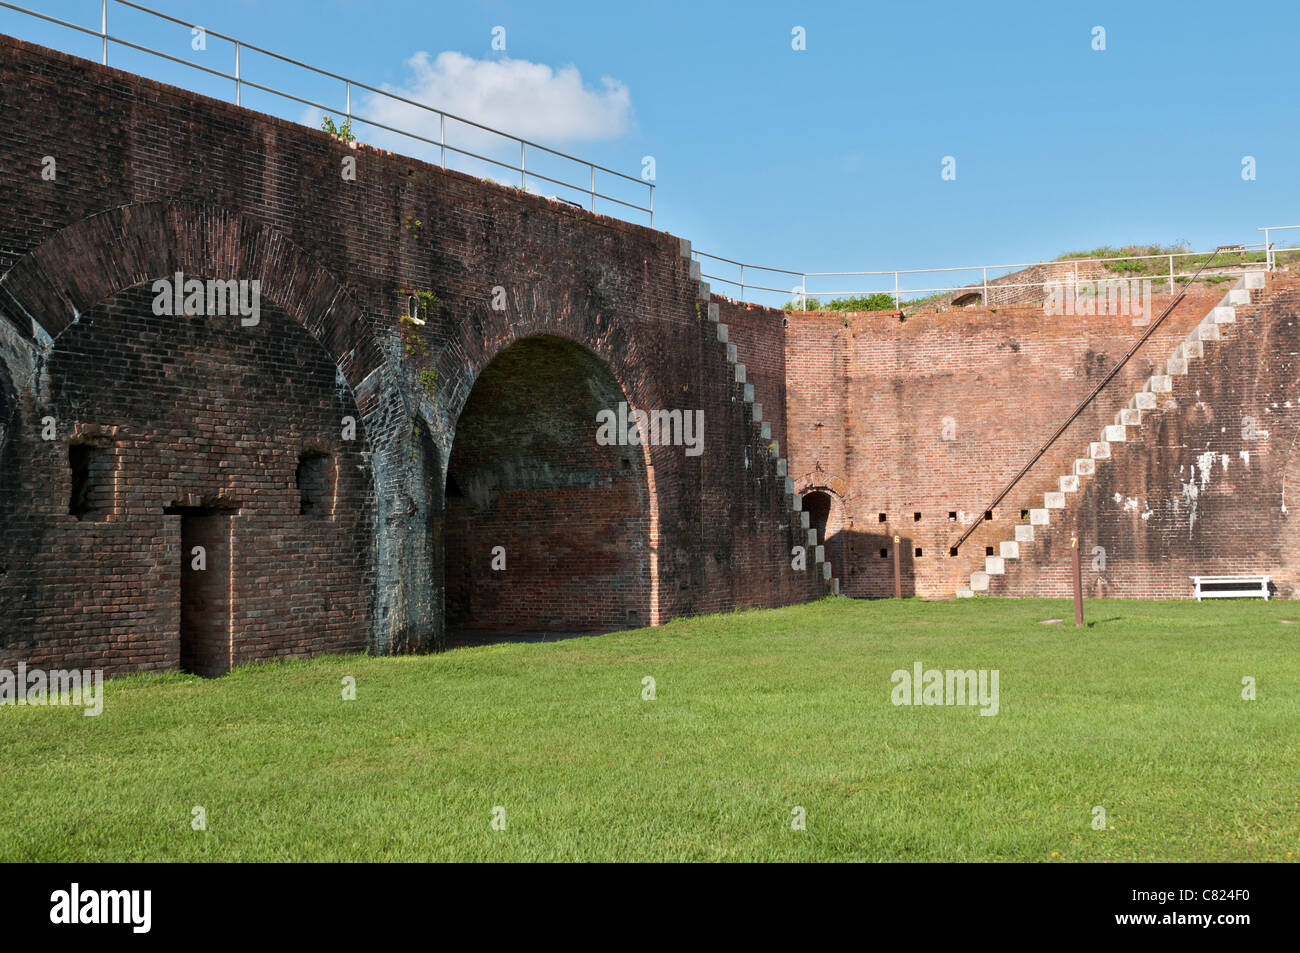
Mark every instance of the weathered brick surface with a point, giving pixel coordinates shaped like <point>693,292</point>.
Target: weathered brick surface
<point>871,399</point>
<point>152,180</point>
<point>1206,486</point>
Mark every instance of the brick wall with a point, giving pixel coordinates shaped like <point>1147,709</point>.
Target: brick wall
<point>151,180</point>
<point>934,414</point>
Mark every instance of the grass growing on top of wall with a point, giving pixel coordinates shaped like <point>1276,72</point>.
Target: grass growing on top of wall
<point>756,713</point>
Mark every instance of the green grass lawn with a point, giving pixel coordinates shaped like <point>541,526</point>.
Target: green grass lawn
<point>756,713</point>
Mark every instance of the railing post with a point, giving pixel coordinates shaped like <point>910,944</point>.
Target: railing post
<point>1268,253</point>
<point>523,177</point>
<point>103,29</point>
<point>442,138</point>
<point>803,293</point>
<point>742,282</point>
<point>237,73</point>
<point>1171,274</point>
<point>986,286</point>
<point>897,306</point>
<point>593,189</point>
<point>652,204</point>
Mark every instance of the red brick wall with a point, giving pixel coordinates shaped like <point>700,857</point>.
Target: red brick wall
<point>152,179</point>
<point>194,413</point>
<point>869,396</point>
<point>1189,493</point>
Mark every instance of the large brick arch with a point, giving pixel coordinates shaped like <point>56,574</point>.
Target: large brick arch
<point>90,260</point>
<point>540,309</point>
<point>577,520</point>
<point>87,265</point>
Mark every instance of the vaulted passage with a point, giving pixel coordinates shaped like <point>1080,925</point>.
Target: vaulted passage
<point>546,531</point>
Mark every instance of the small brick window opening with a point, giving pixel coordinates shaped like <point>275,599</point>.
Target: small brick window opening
<point>312,480</point>
<point>884,554</point>
<point>88,465</point>
<point>918,550</point>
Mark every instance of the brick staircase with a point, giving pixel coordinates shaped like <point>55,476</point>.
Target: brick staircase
<point>1098,452</point>
<point>816,550</point>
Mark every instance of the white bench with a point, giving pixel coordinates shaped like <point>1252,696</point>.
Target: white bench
<point>1230,587</point>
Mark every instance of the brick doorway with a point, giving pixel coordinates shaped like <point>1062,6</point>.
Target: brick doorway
<point>205,629</point>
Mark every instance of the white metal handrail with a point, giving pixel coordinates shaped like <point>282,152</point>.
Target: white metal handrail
<point>984,283</point>
<point>241,81</point>
<point>1270,253</point>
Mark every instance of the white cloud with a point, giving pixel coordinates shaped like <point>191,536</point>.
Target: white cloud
<point>525,99</point>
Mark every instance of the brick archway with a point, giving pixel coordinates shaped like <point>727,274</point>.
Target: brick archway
<point>87,262</point>
<point>94,275</point>
<point>547,530</point>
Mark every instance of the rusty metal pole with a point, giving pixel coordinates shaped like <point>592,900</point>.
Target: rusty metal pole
<point>1078,580</point>
<point>898,576</point>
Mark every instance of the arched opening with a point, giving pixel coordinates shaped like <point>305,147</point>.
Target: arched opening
<point>547,529</point>
<point>818,506</point>
<point>970,297</point>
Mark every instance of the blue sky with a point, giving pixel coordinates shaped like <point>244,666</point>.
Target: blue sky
<point>827,158</point>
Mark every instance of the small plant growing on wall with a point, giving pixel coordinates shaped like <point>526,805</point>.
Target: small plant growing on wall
<point>343,132</point>
<point>429,381</point>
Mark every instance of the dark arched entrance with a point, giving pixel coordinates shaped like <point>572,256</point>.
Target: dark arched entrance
<point>547,531</point>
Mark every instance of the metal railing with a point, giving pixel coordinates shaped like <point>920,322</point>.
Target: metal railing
<point>1270,251</point>
<point>1066,268</point>
<point>240,81</point>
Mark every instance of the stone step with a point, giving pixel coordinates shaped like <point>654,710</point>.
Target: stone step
<point>994,566</point>
<point>749,393</point>
<point>1145,400</point>
<point>1175,366</point>
<point>713,312</point>
<point>1224,314</point>
<point>1160,384</point>
<point>1085,467</point>
<point>1238,296</point>
<point>1208,332</point>
<point>764,429</point>
<point>1009,549</point>
<point>1070,484</point>
<point>979,581</point>
<point>965,592</point>
<point>1024,533</point>
<point>1253,279</point>
<point>1038,517</point>
<point>758,413</point>
<point>722,332</point>
<point>740,373</point>
<point>1129,417</point>
<point>780,466</point>
<point>1099,450</point>
<point>702,292</point>
<point>1054,501</point>
<point>731,353</point>
<point>1114,433</point>
<point>1190,349</point>
<point>695,270</point>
